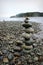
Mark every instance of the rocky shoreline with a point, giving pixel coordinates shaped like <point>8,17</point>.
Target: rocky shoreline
<point>11,41</point>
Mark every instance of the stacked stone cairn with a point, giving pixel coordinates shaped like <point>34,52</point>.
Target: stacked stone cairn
<point>28,41</point>
<point>29,44</point>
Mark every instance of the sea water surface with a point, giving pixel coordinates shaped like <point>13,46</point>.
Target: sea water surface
<point>32,19</point>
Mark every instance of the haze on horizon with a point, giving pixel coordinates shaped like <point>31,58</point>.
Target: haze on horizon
<point>12,7</point>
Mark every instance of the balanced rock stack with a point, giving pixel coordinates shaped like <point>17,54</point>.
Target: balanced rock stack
<point>28,43</point>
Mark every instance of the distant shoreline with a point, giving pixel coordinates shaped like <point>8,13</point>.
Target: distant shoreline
<point>29,14</point>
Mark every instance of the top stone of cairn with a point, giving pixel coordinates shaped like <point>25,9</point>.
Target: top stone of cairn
<point>26,20</point>
<point>26,24</point>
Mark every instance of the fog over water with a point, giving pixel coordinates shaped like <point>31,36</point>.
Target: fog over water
<point>13,7</point>
<point>32,19</point>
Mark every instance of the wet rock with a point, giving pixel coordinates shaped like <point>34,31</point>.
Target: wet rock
<point>36,59</point>
<point>26,20</point>
<point>27,25</point>
<point>17,49</point>
<point>25,51</point>
<point>34,45</point>
<point>19,62</point>
<point>37,63</point>
<point>26,35</point>
<point>10,56</point>
<point>32,53</point>
<point>28,42</point>
<point>0,52</point>
<point>11,50</point>
<point>27,47</point>
<point>17,54</point>
<point>10,42</point>
<point>4,51</point>
<point>1,57</point>
<point>41,63</point>
<point>29,59</point>
<point>40,34</point>
<point>12,63</point>
<point>39,54</point>
<point>22,39</point>
<point>19,43</point>
<point>0,45</point>
<point>30,30</point>
<point>5,60</point>
<point>34,36</point>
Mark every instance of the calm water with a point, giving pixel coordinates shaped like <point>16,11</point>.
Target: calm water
<point>33,19</point>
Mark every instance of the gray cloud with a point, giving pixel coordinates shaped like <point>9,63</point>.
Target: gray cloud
<point>12,7</point>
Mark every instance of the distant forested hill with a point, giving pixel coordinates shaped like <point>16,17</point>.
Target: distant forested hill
<point>29,14</point>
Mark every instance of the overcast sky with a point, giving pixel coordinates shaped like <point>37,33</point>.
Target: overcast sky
<point>13,7</point>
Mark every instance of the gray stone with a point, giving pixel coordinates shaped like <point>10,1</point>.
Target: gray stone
<point>29,30</point>
<point>17,54</point>
<point>27,25</point>
<point>1,57</point>
<point>26,20</point>
<point>36,59</point>
<point>29,42</point>
<point>27,47</point>
<point>5,60</point>
<point>10,56</point>
<point>18,49</point>
<point>25,51</point>
<point>34,45</point>
<point>4,51</point>
<point>19,43</point>
<point>26,35</point>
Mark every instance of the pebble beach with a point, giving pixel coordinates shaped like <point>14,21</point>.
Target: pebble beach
<point>21,43</point>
